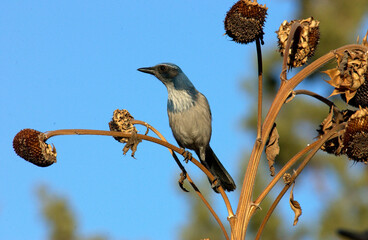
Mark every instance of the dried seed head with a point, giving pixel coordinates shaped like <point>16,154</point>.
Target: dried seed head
<point>334,145</point>
<point>30,145</point>
<point>245,20</point>
<point>361,96</point>
<point>355,139</point>
<point>121,122</point>
<point>349,77</point>
<point>304,49</point>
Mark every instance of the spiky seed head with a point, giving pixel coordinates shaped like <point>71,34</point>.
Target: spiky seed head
<point>350,76</point>
<point>245,20</point>
<point>30,145</point>
<point>121,122</point>
<point>303,49</point>
<point>335,144</point>
<point>361,96</point>
<point>355,139</point>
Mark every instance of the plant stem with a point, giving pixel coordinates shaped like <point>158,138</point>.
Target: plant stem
<point>315,95</point>
<point>317,145</point>
<point>204,200</point>
<point>260,80</point>
<point>280,174</point>
<point>294,27</point>
<point>180,151</point>
<point>245,206</point>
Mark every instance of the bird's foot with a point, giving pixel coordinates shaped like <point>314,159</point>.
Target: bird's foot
<point>187,156</point>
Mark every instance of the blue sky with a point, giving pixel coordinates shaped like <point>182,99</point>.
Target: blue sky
<point>70,64</point>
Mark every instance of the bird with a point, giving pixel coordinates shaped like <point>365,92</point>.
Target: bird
<point>190,119</point>
<point>353,235</point>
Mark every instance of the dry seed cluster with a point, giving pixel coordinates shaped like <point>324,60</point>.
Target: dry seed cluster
<point>121,122</point>
<point>305,47</point>
<point>244,21</point>
<point>30,145</point>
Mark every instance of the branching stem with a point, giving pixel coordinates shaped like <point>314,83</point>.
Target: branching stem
<point>245,206</point>
<point>316,96</point>
<point>180,151</point>
<point>204,200</point>
<point>316,146</point>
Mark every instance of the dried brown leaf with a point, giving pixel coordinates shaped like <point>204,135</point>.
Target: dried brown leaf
<point>183,176</point>
<point>132,144</point>
<point>287,178</point>
<point>327,122</point>
<point>295,206</point>
<point>272,148</point>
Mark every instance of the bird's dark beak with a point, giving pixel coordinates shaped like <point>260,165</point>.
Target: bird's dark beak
<point>149,70</point>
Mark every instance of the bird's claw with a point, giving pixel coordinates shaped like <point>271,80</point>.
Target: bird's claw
<point>187,156</point>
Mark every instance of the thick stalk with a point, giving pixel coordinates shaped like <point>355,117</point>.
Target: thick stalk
<point>245,206</point>
<point>297,172</point>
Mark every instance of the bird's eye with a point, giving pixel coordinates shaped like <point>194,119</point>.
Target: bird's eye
<point>163,68</point>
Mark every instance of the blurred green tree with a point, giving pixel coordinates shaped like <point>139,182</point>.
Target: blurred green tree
<point>60,218</point>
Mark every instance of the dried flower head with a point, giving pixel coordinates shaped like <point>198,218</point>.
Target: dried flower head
<point>335,144</point>
<point>355,138</point>
<point>121,122</point>
<point>349,77</point>
<point>30,145</point>
<point>245,20</point>
<point>308,39</point>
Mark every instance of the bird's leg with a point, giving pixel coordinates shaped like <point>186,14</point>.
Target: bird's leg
<point>187,155</point>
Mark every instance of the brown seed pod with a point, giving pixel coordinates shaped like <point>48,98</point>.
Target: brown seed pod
<point>350,76</point>
<point>308,39</point>
<point>121,122</point>
<point>334,145</point>
<point>245,20</point>
<point>355,139</point>
<point>361,96</point>
<point>30,145</point>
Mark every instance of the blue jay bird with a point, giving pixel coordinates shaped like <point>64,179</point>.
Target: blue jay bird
<point>190,118</point>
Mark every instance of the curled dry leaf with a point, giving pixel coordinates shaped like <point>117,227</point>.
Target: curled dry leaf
<point>287,178</point>
<point>183,176</point>
<point>272,148</point>
<point>132,144</point>
<point>327,122</point>
<point>295,206</point>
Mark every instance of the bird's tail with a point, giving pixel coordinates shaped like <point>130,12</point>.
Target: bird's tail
<point>214,165</point>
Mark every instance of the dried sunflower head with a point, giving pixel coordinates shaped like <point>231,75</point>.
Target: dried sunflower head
<point>121,122</point>
<point>307,36</point>
<point>355,138</point>
<point>350,75</point>
<point>335,144</point>
<point>30,145</point>
<point>245,20</point>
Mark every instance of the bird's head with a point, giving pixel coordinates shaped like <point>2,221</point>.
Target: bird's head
<point>169,74</point>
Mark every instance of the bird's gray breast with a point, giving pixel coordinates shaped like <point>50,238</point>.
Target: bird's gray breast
<point>190,120</point>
